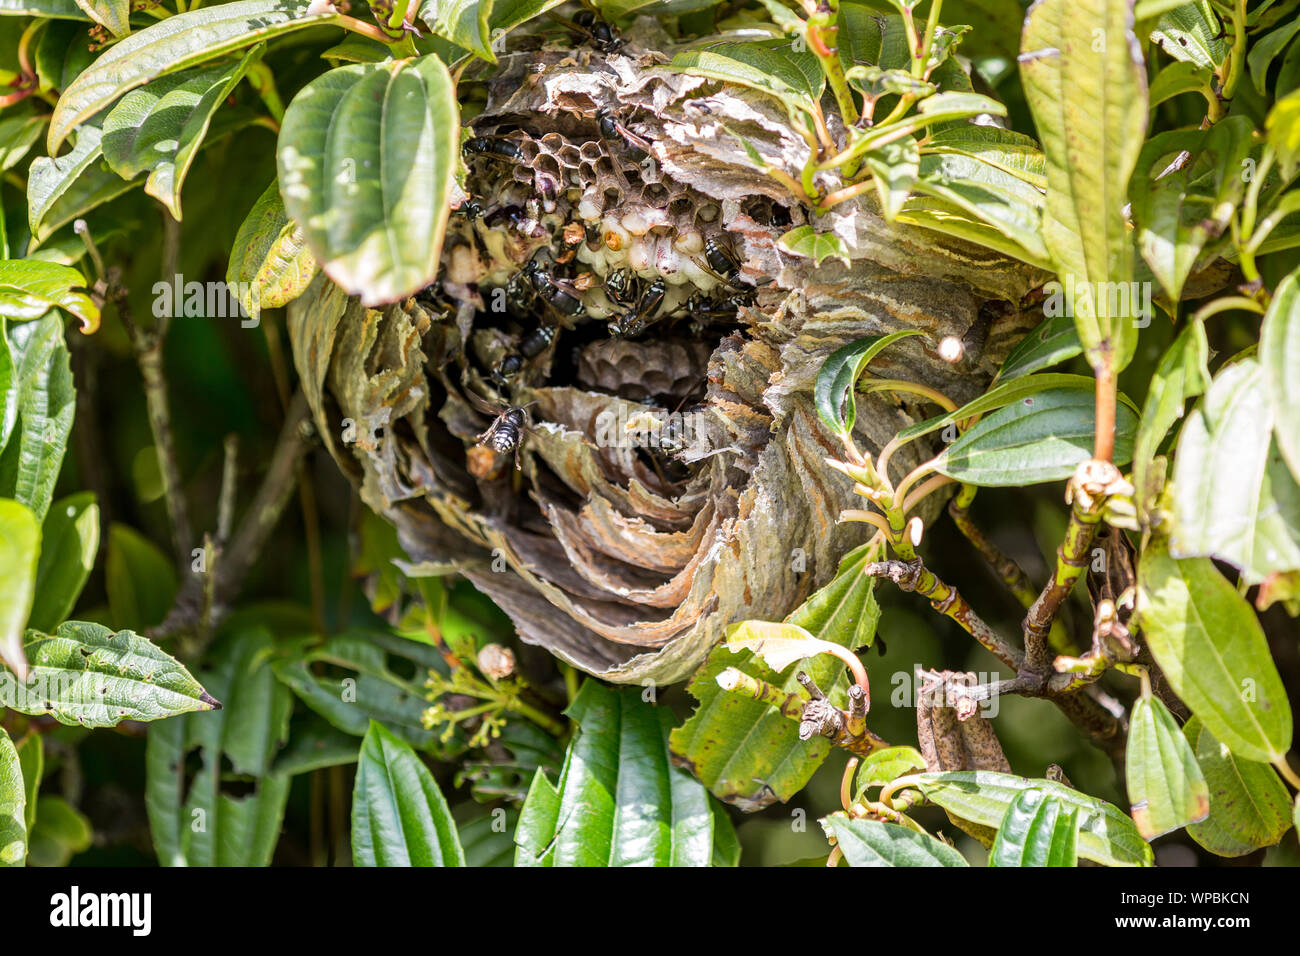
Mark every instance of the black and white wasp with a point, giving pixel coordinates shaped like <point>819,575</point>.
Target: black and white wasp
<point>506,433</point>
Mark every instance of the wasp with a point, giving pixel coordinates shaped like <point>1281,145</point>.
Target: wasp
<point>634,321</point>
<point>469,210</point>
<point>620,286</point>
<point>530,346</point>
<point>604,36</point>
<point>495,148</point>
<point>722,260</point>
<point>612,130</point>
<point>506,433</point>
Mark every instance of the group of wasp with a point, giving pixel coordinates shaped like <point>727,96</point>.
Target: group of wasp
<point>540,289</point>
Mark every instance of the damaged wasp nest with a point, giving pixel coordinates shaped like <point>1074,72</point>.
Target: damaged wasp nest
<point>613,312</point>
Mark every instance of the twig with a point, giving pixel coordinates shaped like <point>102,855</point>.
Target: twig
<point>915,576</point>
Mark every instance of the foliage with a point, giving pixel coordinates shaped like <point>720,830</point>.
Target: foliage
<point>1145,436</point>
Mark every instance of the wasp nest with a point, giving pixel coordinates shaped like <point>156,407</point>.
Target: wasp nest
<point>614,310</point>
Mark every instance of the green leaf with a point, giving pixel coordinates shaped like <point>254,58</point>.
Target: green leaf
<point>17,136</point>
<point>872,843</point>
<point>229,812</point>
<point>833,391</point>
<point>62,52</point>
<point>1166,788</point>
<point>1179,208</point>
<point>114,15</point>
<point>157,129</point>
<point>60,9</point>
<point>894,168</point>
<point>59,189</point>
<point>744,750</point>
<point>465,23</point>
<point>29,288</point>
<point>31,760</point>
<point>1040,438</point>
<point>1283,125</point>
<point>1181,374</point>
<point>1210,645</point>
<point>1279,356</point>
<point>807,243</point>
<point>69,543</point>
<point>60,833</point>
<point>367,155</point>
<point>361,686</point>
<point>1106,834</point>
<point>173,44</point>
<point>1249,806</point>
<point>485,835</point>
<point>1234,498</point>
<point>13,805</point>
<point>20,546</point>
<point>1000,396</point>
<point>771,67</point>
<point>1003,149</point>
<point>620,800</point>
<point>508,14</point>
<point>315,745</point>
<point>270,264</point>
<point>1175,80</point>
<point>399,816</point>
<point>1054,341</point>
<point>882,766</point>
<point>1038,829</point>
<point>951,219</point>
<point>85,675</point>
<point>1082,69</point>
<point>1264,51</point>
<point>777,645</point>
<point>1192,32</point>
<point>139,578</point>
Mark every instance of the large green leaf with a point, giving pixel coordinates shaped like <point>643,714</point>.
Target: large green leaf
<point>872,843</point>
<point>367,155</point>
<point>20,546</point>
<point>1210,645</point>
<point>61,188</point>
<point>1193,32</point>
<point>1181,374</point>
<point>1279,355</point>
<point>69,542</point>
<point>619,801</point>
<point>17,136</point>
<point>86,675</point>
<point>1265,50</point>
<point>229,811</point>
<point>13,805</point>
<point>361,686</point>
<point>1166,788</point>
<point>270,264</point>
<point>772,67</point>
<point>1040,438</point>
<point>399,816</point>
<point>1082,70</point>
<point>175,43</point>
<point>1055,340</point>
<point>999,396</point>
<point>29,288</point>
<point>1249,806</point>
<point>158,128</point>
<point>60,9</point>
<point>46,402</point>
<point>1106,834</point>
<point>1234,497</point>
<point>1037,830</point>
<point>833,392</point>
<point>466,23</point>
<point>744,750</point>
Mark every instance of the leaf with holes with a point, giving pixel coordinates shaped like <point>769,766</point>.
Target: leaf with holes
<point>86,675</point>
